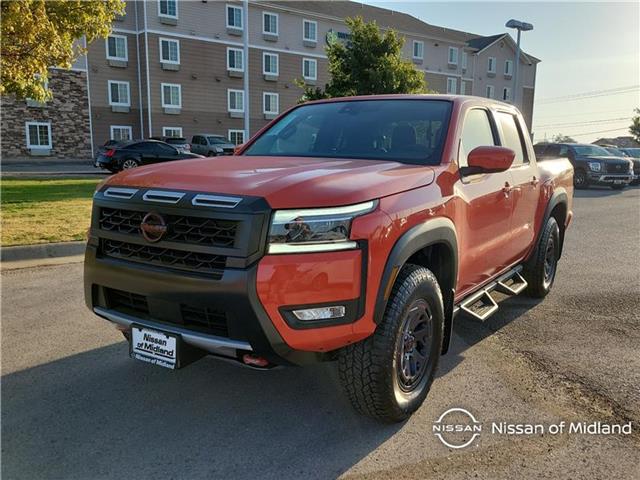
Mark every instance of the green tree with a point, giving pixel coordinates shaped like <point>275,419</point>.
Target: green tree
<point>634,129</point>
<point>38,34</point>
<point>370,62</point>
<point>560,138</point>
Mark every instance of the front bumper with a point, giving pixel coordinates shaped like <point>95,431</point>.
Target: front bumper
<point>598,178</point>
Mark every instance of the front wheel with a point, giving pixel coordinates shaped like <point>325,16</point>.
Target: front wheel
<point>388,375</point>
<point>580,179</point>
<point>541,273</point>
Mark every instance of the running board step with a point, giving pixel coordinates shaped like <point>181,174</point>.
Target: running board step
<point>511,285</point>
<point>480,306</point>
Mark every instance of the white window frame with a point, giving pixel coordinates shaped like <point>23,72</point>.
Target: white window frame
<point>264,97</point>
<point>235,91</point>
<point>119,104</point>
<point>465,60</point>
<point>264,14</point>
<point>455,60</point>
<point>413,53</point>
<point>315,62</point>
<point>165,134</point>
<point>490,91</point>
<point>226,19</point>
<point>38,124</point>
<point>463,87</point>
<point>162,99</point>
<point>506,90</point>
<point>452,81</point>
<point>304,21</point>
<point>160,14</point>
<point>507,70</point>
<point>120,127</point>
<point>491,65</point>
<point>170,40</point>
<point>232,130</point>
<point>236,51</point>
<point>264,63</point>
<point>126,48</point>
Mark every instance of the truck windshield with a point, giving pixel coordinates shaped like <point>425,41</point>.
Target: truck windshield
<point>591,151</point>
<point>407,131</point>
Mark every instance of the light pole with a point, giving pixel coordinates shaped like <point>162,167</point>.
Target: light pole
<point>521,27</point>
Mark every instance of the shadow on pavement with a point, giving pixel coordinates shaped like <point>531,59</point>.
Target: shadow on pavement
<point>100,414</point>
<point>597,191</point>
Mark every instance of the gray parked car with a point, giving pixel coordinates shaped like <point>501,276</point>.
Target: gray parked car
<point>178,142</point>
<point>211,145</point>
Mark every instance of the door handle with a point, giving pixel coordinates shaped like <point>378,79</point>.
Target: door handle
<point>507,189</point>
<point>535,182</point>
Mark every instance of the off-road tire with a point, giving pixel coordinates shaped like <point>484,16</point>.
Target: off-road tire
<point>580,179</point>
<point>539,284</point>
<point>368,369</point>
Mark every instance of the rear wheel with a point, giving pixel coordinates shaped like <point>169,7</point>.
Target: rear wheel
<point>130,163</point>
<point>580,179</point>
<point>541,274</point>
<point>388,375</point>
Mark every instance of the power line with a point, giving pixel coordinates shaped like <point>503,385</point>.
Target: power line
<point>591,94</point>
<point>584,114</point>
<point>588,122</point>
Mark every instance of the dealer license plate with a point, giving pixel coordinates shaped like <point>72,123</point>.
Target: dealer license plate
<point>152,346</point>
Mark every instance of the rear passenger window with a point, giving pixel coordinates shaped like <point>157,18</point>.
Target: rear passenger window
<point>512,137</point>
<point>475,133</point>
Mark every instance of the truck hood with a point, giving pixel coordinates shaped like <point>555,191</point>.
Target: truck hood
<point>608,160</point>
<point>285,182</point>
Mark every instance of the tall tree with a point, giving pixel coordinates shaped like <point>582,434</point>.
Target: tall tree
<point>634,129</point>
<point>38,34</point>
<point>369,62</point>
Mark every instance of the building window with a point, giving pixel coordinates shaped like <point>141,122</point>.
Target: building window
<point>235,59</point>
<point>270,63</point>
<point>270,23</point>
<point>463,87</point>
<point>270,103</point>
<point>309,69</point>
<point>453,56</point>
<point>120,132</point>
<point>309,31</point>
<point>236,137</point>
<point>418,49</point>
<point>172,131</point>
<point>38,135</point>
<point>119,94</point>
<point>169,51</point>
<point>235,101</point>
<point>117,47</point>
<point>491,65</point>
<point>452,84</point>
<point>508,67</point>
<point>464,60</point>
<point>234,17</point>
<point>506,94</point>
<point>489,91</point>
<point>171,95</point>
<point>168,8</point>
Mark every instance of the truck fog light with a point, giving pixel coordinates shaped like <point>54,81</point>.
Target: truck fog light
<point>321,313</point>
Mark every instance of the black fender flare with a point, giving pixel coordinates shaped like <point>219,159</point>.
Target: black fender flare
<point>437,230</point>
<point>559,197</point>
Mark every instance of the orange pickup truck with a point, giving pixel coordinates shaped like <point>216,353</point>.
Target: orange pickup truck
<point>351,229</point>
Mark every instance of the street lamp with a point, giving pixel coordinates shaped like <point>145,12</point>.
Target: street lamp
<point>521,27</point>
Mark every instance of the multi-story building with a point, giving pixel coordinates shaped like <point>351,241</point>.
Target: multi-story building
<point>177,68</point>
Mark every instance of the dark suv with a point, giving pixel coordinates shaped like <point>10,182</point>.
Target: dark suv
<point>593,165</point>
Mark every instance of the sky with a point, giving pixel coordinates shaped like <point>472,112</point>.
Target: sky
<point>584,47</point>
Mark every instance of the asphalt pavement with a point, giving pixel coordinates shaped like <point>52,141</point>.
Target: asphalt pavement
<point>74,406</point>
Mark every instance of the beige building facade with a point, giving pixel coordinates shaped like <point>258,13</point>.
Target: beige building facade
<point>177,68</point>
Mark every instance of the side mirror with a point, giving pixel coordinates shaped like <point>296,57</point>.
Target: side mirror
<point>489,160</point>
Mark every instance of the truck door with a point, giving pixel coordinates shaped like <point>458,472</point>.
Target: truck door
<point>485,214</point>
<point>525,185</point>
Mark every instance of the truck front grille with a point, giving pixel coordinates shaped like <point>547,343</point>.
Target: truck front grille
<point>209,319</point>
<point>165,257</point>
<point>617,168</point>
<point>180,228</point>
<point>126,301</point>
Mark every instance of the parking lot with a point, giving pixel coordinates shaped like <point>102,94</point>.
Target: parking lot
<point>75,406</point>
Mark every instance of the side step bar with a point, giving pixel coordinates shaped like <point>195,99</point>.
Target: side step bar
<point>481,305</point>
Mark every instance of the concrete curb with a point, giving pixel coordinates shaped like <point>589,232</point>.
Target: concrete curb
<point>41,251</point>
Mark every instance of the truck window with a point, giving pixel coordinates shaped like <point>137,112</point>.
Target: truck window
<point>512,137</point>
<point>406,131</point>
<point>476,132</point>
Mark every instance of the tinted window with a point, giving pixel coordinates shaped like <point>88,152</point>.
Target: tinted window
<point>217,140</point>
<point>540,149</point>
<point>511,137</point>
<point>138,146</point>
<point>409,131</point>
<point>590,151</point>
<point>163,149</point>
<point>475,133</point>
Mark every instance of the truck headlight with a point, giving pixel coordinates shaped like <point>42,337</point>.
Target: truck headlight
<point>595,166</point>
<point>315,229</point>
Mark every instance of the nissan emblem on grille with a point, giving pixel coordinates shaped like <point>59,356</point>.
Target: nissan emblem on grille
<point>153,227</point>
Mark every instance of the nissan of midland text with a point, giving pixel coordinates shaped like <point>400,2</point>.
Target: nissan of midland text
<point>351,230</point>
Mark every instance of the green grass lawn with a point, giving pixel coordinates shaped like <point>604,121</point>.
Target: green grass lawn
<point>43,211</point>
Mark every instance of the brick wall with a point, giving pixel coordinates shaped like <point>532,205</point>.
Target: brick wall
<point>68,113</point>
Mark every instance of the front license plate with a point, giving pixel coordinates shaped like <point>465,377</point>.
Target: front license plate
<point>152,346</point>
